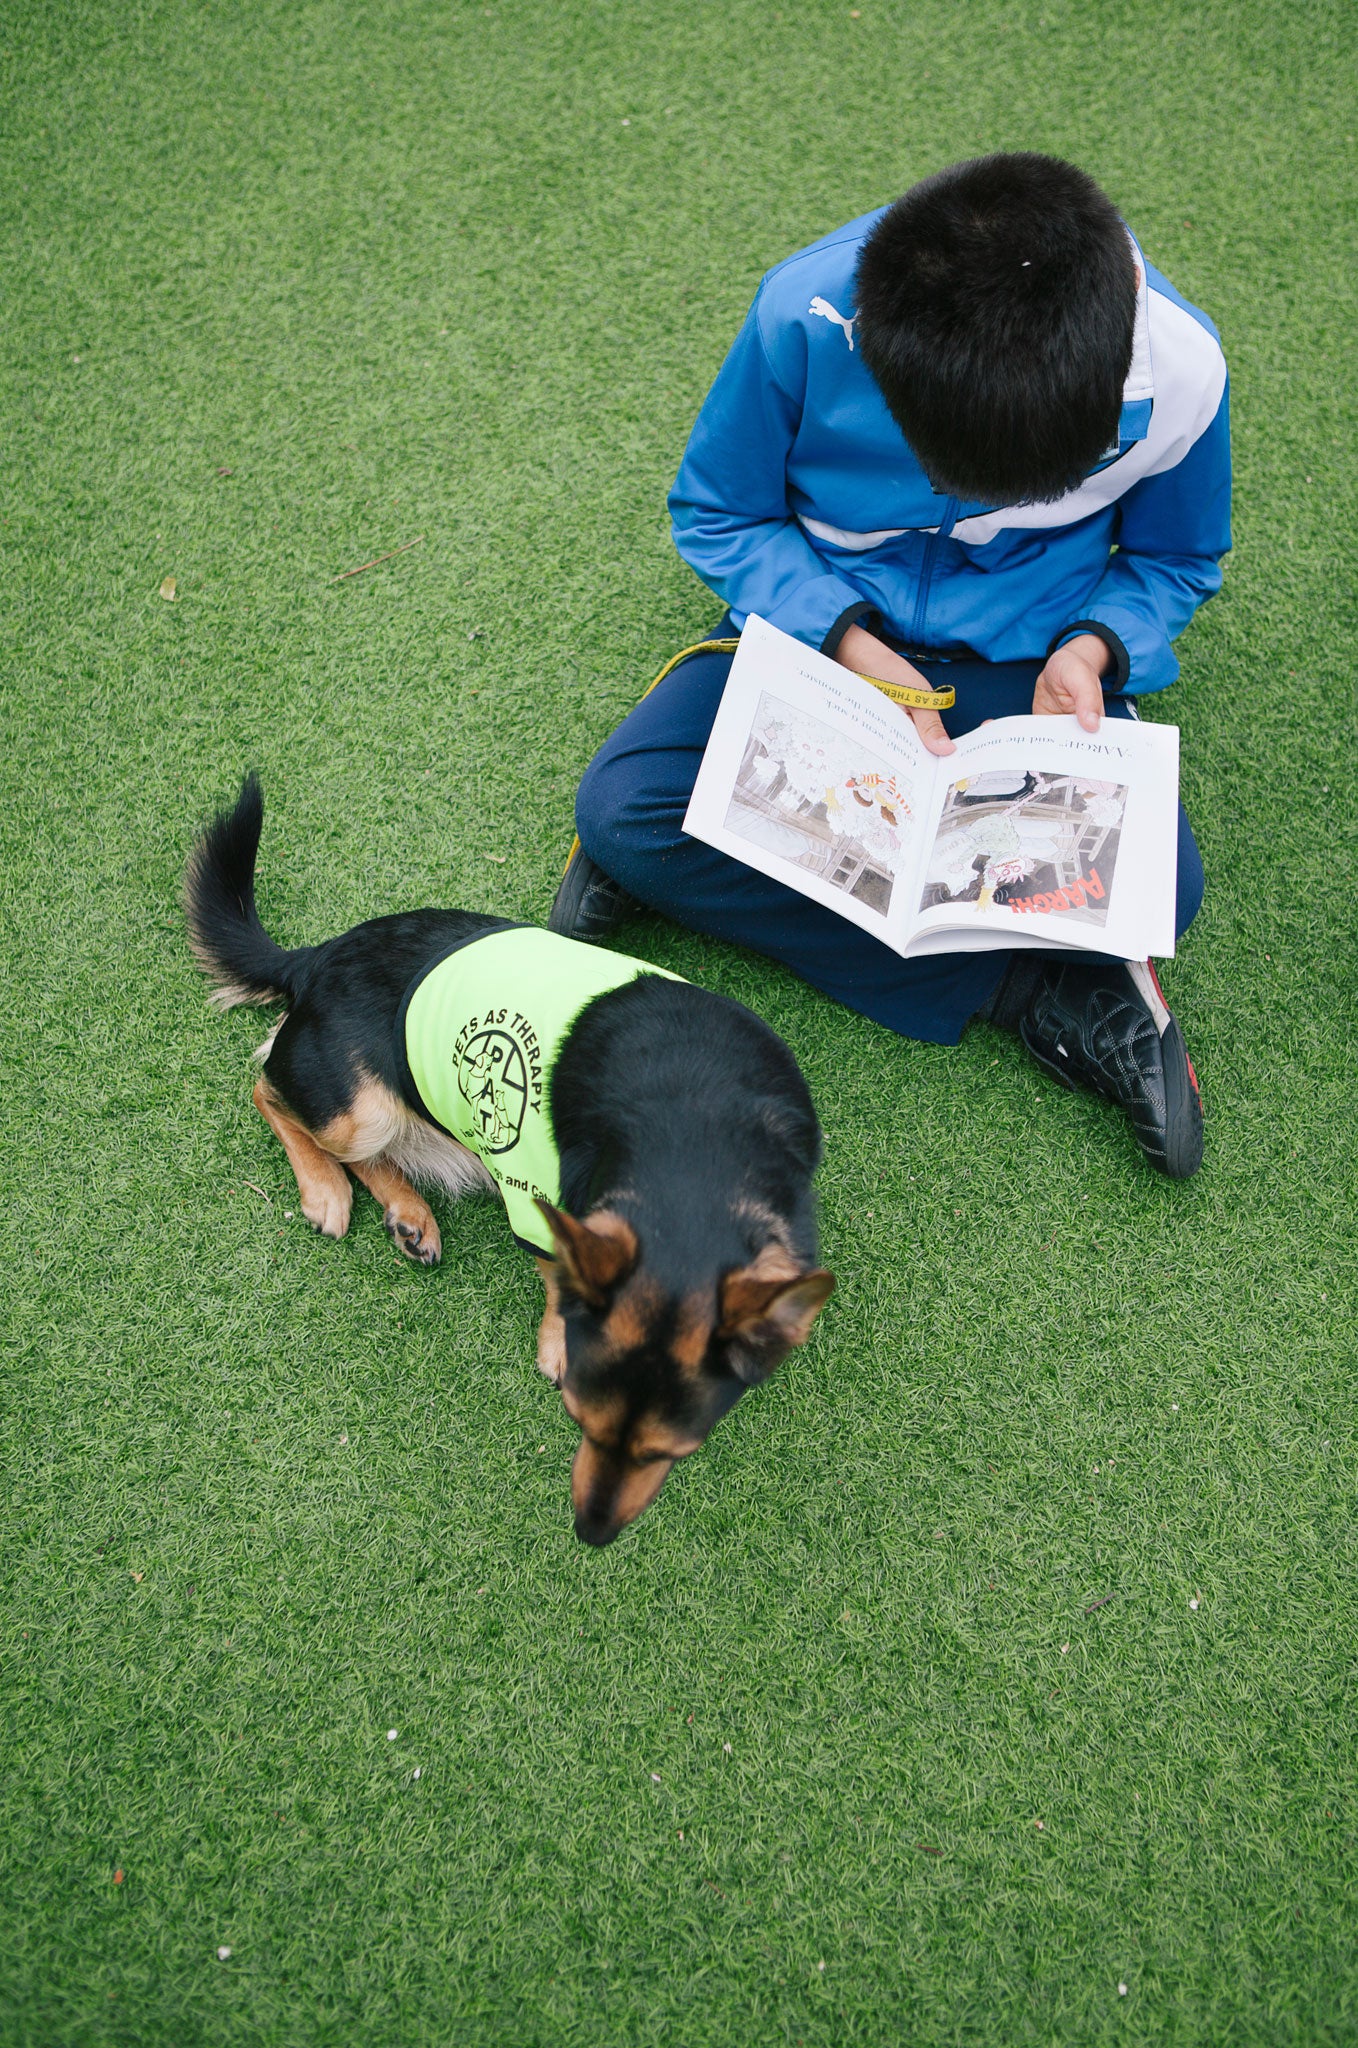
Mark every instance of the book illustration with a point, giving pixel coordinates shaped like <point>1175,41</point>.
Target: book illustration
<point>815,797</point>
<point>1027,842</point>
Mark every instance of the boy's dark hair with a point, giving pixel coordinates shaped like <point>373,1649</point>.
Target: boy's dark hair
<point>996,306</point>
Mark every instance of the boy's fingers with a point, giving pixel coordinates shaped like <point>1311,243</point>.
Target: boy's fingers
<point>933,732</point>
<point>1087,692</point>
<point>1069,684</point>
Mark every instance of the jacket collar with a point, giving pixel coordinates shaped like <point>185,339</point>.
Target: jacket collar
<point>1138,393</point>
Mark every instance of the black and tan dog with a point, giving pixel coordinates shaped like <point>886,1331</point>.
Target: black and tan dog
<point>682,1266</point>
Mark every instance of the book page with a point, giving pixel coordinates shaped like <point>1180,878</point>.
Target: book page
<point>1053,836</point>
<point>815,779</point>
<point>1031,833</point>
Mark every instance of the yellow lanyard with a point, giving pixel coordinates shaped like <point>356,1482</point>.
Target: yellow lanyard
<point>911,699</point>
<point>903,694</point>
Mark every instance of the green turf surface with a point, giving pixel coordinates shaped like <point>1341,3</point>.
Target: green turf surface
<point>772,1768</point>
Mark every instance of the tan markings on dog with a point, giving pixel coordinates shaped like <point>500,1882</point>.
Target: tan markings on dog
<point>551,1330</point>
<point>261,1052</point>
<point>408,1217</point>
<point>224,995</point>
<point>631,1319</point>
<point>230,995</point>
<point>384,1144</point>
<point>592,1255</point>
<point>692,1333</point>
<point>378,1125</point>
<point>746,1293</point>
<point>656,1442</point>
<point>640,1485</point>
<point>322,1183</point>
<point>608,1223</point>
<point>762,1218</point>
<point>772,1306</point>
<point>775,1262</point>
<point>602,1417</point>
<point>603,1420</point>
<point>612,1489</point>
<point>368,1127</point>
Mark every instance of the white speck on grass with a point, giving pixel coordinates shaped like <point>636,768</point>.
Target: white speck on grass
<point>727,1748</point>
<point>1174,1407</point>
<point>223,1955</point>
<point>655,1777</point>
<point>287,1215</point>
<point>1064,1648</point>
<point>391,1735</point>
<point>1194,1605</point>
<point>1122,1990</point>
<point>416,1772</point>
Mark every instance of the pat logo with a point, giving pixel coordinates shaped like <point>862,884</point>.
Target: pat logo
<point>499,1074</point>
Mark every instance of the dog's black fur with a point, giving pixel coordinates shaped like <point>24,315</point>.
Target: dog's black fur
<point>685,1262</point>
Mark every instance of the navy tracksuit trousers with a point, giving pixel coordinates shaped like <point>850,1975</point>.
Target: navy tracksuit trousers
<point>630,813</point>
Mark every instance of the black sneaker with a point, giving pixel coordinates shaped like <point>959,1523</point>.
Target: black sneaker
<point>589,904</point>
<point>1108,1027</point>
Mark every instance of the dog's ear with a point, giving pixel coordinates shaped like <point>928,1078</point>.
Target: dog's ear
<point>593,1257</point>
<point>765,1309</point>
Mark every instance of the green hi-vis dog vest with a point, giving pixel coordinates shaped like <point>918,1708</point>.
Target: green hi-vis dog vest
<point>480,1031</point>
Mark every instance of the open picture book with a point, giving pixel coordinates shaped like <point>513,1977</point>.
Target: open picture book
<point>1033,833</point>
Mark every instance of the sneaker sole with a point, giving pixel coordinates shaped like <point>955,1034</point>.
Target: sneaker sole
<point>1183,1098</point>
<point>1183,1108</point>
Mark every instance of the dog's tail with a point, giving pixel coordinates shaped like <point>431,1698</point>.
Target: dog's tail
<point>228,940</point>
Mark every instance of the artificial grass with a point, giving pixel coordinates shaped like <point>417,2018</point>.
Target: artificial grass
<point>465,272</point>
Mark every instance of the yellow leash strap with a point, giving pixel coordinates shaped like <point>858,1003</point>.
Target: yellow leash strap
<point>904,694</point>
<point>911,699</point>
<point>701,647</point>
<point>900,693</point>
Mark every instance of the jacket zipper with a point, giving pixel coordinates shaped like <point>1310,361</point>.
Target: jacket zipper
<point>926,574</point>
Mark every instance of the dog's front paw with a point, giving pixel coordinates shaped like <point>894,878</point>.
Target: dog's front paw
<point>415,1235</point>
<point>552,1348</point>
<point>327,1210</point>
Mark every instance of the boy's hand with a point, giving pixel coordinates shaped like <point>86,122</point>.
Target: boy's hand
<point>872,657</point>
<point>1072,681</point>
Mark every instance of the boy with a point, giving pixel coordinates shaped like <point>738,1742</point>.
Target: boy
<point>973,439</point>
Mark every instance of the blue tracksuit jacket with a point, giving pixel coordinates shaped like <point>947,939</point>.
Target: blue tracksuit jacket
<point>800,499</point>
